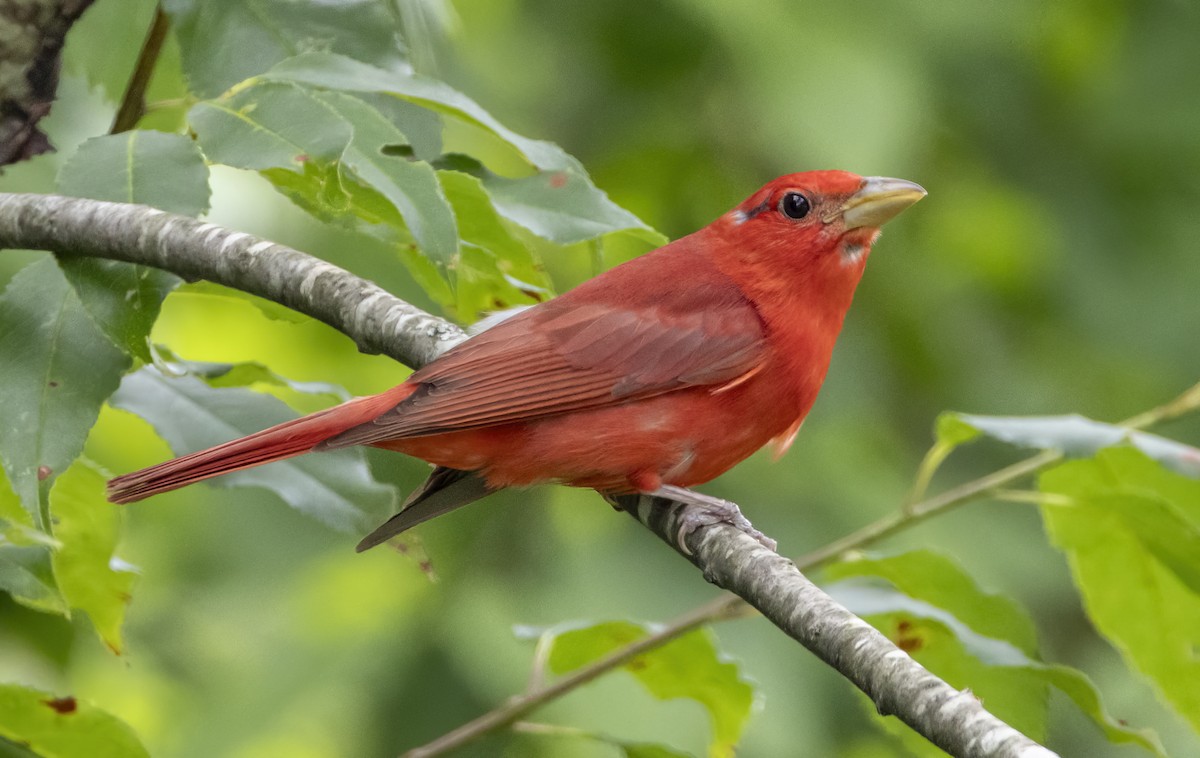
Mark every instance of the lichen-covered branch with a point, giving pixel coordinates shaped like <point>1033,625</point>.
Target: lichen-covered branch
<point>31,40</point>
<point>376,320</point>
<point>731,556</point>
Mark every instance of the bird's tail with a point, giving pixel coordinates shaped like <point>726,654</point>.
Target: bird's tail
<point>286,440</point>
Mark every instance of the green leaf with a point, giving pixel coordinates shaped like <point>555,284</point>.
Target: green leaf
<point>421,126</point>
<point>274,125</point>
<point>304,397</point>
<point>268,308</point>
<point>338,72</point>
<point>89,575</point>
<point>941,581</point>
<point>15,522</point>
<point>51,396</point>
<point>427,275</point>
<point>269,125</point>
<point>103,45</point>
<point>166,171</point>
<point>252,373</point>
<point>63,727</point>
<point>26,574</point>
<point>334,487</point>
<point>496,270</point>
<point>1135,574</point>
<point>562,206</point>
<point>689,667</point>
<point>1080,437</point>
<point>932,609</point>
<point>951,430</point>
<point>226,41</point>
<point>410,186</point>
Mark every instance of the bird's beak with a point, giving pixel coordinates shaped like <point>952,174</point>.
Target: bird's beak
<point>880,200</point>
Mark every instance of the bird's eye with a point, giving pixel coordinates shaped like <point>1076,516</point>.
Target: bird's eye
<point>794,205</point>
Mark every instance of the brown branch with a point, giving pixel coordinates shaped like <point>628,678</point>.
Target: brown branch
<point>133,102</point>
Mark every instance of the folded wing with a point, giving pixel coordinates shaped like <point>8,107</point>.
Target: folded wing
<point>561,358</point>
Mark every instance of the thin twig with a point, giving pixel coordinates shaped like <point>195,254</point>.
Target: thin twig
<point>133,103</point>
<point>516,707</point>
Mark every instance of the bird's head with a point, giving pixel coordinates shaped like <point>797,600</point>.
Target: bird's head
<point>812,229</point>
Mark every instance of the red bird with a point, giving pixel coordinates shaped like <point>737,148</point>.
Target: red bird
<point>666,370</point>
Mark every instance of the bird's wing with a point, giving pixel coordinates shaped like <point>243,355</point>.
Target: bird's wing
<point>445,490</point>
<point>552,360</point>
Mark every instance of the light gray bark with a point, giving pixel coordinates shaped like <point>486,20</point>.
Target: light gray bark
<point>375,319</point>
<point>735,559</point>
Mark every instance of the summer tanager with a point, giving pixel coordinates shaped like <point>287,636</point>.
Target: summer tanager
<point>666,370</point>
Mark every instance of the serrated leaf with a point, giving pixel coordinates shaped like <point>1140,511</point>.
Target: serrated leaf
<point>410,186</point>
<point>689,667</point>
<point>1012,685</point>
<point>1162,528</point>
<point>338,72</point>
<point>562,206</point>
<point>334,487</point>
<point>269,125</point>
<point>49,725</point>
<point>496,270</point>
<point>166,171</point>
<point>26,574</point>
<point>152,168</point>
<point>251,373</point>
<point>1080,437</point>
<point>226,41</point>
<point>280,125</point>
<point>50,398</point>
<point>1132,594</point>
<point>939,580</point>
<point>89,575</point>
<point>304,397</point>
<point>558,203</point>
<point>421,126</point>
<point>13,518</point>
<point>866,598</point>
<point>16,525</point>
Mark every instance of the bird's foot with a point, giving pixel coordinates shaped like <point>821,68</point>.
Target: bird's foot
<point>706,510</point>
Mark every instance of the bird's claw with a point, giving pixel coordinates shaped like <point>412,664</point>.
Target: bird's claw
<point>706,510</point>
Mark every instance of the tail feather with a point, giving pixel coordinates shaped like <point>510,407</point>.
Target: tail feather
<point>278,443</point>
<point>445,490</point>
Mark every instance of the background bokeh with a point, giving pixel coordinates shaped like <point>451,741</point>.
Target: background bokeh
<point>1054,267</point>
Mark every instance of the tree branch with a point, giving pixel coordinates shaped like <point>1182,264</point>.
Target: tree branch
<point>379,322</point>
<point>730,558</point>
<point>133,102</point>
<point>376,320</point>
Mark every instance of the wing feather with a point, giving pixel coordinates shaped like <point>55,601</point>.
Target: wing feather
<point>579,352</point>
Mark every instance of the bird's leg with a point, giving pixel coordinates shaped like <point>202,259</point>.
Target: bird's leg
<point>698,511</point>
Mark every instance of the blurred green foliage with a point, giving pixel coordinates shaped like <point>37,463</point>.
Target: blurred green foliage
<point>1053,268</point>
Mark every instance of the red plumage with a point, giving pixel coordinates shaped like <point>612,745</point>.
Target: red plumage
<point>668,369</point>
